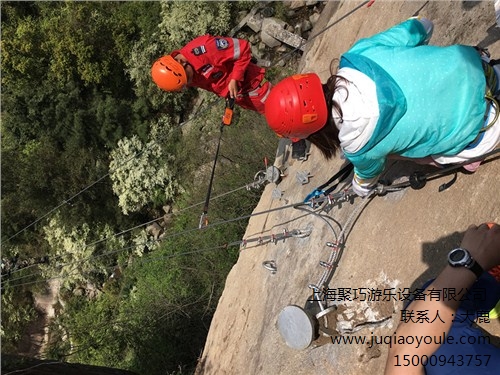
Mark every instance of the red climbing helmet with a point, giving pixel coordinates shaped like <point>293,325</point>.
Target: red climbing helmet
<point>168,74</point>
<point>296,106</point>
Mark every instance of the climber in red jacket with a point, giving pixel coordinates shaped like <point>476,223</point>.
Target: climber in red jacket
<point>221,65</point>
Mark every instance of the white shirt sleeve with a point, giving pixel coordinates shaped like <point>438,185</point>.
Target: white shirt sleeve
<point>360,110</point>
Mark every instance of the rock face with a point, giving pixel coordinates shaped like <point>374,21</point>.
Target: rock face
<point>394,242</point>
<point>270,33</point>
<point>273,29</point>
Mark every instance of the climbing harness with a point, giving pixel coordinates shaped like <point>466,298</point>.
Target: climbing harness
<point>341,175</point>
<point>493,102</point>
<point>226,121</point>
<point>418,180</point>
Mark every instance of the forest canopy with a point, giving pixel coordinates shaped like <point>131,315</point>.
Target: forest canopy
<point>92,153</point>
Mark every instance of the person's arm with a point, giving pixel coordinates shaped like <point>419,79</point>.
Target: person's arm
<point>363,187</point>
<point>366,173</point>
<point>410,33</point>
<point>239,53</point>
<point>483,244</point>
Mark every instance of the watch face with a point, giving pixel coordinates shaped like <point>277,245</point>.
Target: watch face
<point>461,258</point>
<point>457,255</point>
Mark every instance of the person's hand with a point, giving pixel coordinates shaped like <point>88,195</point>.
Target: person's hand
<point>363,187</point>
<point>483,243</point>
<point>360,190</point>
<point>233,88</point>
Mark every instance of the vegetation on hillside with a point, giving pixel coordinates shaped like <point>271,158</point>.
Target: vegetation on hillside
<point>91,152</point>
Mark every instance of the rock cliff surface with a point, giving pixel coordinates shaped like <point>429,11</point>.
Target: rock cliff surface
<point>397,241</point>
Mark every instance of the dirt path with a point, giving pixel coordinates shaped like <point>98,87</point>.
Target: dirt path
<point>34,343</point>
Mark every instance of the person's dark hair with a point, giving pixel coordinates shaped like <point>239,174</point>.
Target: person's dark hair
<point>327,138</point>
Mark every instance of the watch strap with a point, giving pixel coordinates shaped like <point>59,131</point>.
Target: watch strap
<point>467,262</point>
<point>476,268</point>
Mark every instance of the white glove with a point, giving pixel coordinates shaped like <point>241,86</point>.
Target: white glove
<point>360,190</point>
<point>363,187</point>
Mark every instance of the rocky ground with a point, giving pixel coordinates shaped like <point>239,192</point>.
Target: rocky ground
<point>397,241</point>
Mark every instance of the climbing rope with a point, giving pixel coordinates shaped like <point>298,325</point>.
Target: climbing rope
<point>226,121</point>
<point>415,181</point>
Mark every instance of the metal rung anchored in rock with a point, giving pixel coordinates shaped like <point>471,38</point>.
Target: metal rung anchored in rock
<point>275,238</point>
<point>303,177</point>
<point>276,193</point>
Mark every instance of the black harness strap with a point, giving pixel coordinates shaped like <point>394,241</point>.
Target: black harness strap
<point>226,121</point>
<point>203,219</point>
<point>341,175</point>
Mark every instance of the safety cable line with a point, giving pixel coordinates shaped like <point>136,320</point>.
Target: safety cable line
<point>27,370</point>
<point>54,209</point>
<point>211,105</point>
<point>343,195</point>
<point>161,218</point>
<point>172,235</point>
<point>187,231</point>
<point>108,268</point>
<point>115,235</point>
<point>66,201</point>
<point>175,234</point>
<point>242,242</point>
<point>140,261</point>
<point>336,253</point>
<point>406,184</point>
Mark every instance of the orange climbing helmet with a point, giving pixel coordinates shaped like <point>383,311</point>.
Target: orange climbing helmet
<point>168,74</point>
<point>296,106</point>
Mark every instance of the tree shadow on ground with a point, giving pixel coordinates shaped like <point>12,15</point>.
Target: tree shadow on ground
<point>434,255</point>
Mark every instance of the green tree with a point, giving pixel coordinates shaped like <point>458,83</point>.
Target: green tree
<point>211,17</point>
<point>66,101</point>
<point>78,102</point>
<point>142,173</point>
<point>17,313</point>
<point>79,254</point>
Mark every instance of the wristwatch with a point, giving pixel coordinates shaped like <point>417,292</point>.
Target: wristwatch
<point>461,258</point>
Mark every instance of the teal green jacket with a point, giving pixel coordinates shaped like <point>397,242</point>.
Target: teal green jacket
<point>431,98</point>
